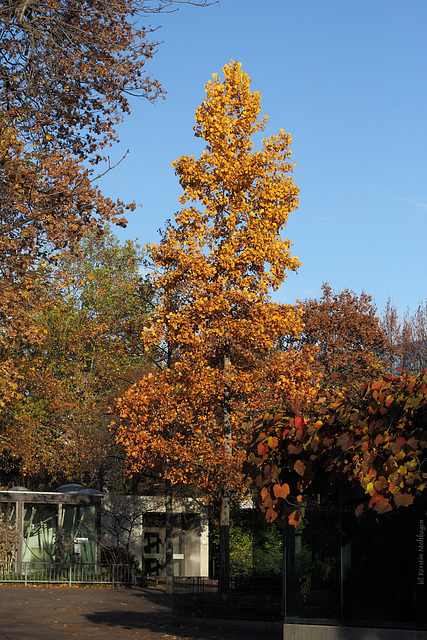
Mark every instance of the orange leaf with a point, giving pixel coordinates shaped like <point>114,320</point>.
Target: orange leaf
<point>262,449</point>
<point>299,467</point>
<point>271,515</point>
<point>403,499</point>
<point>359,510</point>
<point>382,505</point>
<point>272,442</point>
<point>299,422</point>
<point>281,491</point>
<point>294,518</point>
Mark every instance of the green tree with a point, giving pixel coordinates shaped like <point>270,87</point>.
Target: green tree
<point>255,547</point>
<point>90,353</point>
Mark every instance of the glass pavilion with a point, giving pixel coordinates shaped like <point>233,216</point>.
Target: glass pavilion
<point>55,526</point>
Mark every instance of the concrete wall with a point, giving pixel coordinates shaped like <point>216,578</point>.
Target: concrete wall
<point>196,553</point>
<point>329,632</point>
<point>123,519</point>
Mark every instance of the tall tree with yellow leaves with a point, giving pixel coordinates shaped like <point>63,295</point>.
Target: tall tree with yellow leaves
<point>215,326</point>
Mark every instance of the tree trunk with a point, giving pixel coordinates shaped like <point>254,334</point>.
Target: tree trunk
<point>169,537</point>
<point>224,545</point>
<point>224,521</point>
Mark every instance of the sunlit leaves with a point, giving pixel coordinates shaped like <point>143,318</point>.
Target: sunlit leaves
<point>281,491</point>
<point>214,332</point>
<point>294,518</point>
<point>55,205</point>
<point>69,67</point>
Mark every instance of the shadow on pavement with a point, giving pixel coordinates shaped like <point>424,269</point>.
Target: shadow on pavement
<point>61,613</point>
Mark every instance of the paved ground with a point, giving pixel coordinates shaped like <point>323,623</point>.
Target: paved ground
<point>56,613</point>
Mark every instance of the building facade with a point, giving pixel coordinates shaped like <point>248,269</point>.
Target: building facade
<point>77,524</point>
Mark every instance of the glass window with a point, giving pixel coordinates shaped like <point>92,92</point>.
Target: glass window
<point>314,566</point>
<point>40,522</point>
<point>78,522</point>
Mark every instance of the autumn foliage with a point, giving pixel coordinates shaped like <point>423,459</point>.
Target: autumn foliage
<point>213,335</point>
<point>89,317</point>
<point>348,335</point>
<point>358,445</point>
<point>47,202</point>
<point>67,72</point>
<point>69,68</point>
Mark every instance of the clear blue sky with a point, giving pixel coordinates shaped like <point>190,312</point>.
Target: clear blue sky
<point>347,80</point>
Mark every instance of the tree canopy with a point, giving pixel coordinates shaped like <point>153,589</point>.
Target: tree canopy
<point>215,326</point>
<point>69,67</point>
<point>92,315</point>
<point>67,72</point>
<point>347,333</point>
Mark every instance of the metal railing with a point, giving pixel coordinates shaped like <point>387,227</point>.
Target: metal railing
<point>79,573</point>
<point>258,599</point>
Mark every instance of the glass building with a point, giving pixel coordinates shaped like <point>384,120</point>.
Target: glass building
<point>55,526</point>
<point>348,572</point>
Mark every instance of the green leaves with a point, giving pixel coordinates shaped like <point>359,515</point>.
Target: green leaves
<point>91,324</point>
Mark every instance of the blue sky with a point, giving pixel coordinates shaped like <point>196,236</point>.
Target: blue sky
<point>347,80</point>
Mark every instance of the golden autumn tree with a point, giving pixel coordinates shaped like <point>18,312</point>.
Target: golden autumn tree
<point>214,333</point>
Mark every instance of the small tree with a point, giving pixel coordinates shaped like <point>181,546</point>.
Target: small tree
<point>122,525</point>
<point>408,335</point>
